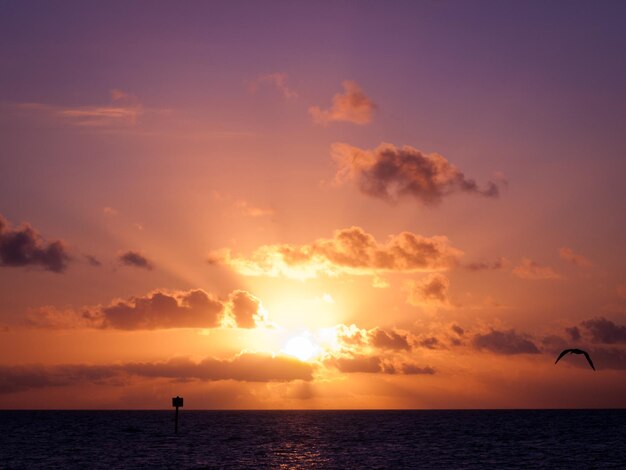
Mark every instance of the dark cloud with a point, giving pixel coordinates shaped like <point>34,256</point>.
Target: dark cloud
<point>605,331</point>
<point>573,333</point>
<point>389,339</point>
<point>607,358</point>
<point>430,343</point>
<point>430,291</point>
<point>133,258</point>
<point>458,330</point>
<point>245,367</point>
<point>190,309</point>
<point>23,246</point>
<point>357,363</point>
<point>500,263</point>
<point>412,369</point>
<point>390,173</point>
<point>505,342</point>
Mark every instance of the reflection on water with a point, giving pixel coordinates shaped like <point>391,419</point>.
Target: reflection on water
<point>314,439</point>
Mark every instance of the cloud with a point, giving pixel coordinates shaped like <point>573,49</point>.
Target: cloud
<point>350,251</point>
<point>50,317</point>
<point>133,258</point>
<point>391,173</point>
<point>246,367</point>
<point>351,106</point>
<point>413,369</point>
<point>246,309</point>
<point>605,331</point>
<point>124,110</point>
<point>389,339</point>
<point>251,210</point>
<point>92,261</point>
<point>576,259</point>
<point>530,270</point>
<point>184,309</point>
<point>110,211</point>
<point>23,246</point>
<point>500,263</point>
<point>505,342</point>
<point>430,291</point>
<point>159,310</point>
<point>278,80</point>
<point>357,363</point>
<point>573,333</point>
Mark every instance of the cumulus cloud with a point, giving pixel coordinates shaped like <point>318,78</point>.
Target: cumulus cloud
<point>505,342</point>
<point>136,259</point>
<point>190,309</point>
<point>277,80</point>
<point>246,309</point>
<point>353,105</point>
<point>23,246</point>
<point>528,269</point>
<point>159,310</point>
<point>576,259</point>
<point>605,331</point>
<point>390,173</point>
<point>350,251</point>
<point>430,291</point>
<point>246,367</point>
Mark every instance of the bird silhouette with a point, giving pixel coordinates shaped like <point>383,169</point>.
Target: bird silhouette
<point>575,351</point>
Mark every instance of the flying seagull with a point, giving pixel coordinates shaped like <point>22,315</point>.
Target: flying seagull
<point>575,351</point>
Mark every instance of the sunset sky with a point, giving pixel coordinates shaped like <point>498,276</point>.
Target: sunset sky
<point>277,205</point>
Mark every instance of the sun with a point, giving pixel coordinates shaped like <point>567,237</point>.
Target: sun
<point>301,347</point>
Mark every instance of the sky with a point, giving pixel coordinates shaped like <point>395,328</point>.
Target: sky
<point>312,205</point>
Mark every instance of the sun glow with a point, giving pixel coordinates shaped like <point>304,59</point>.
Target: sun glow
<point>301,347</point>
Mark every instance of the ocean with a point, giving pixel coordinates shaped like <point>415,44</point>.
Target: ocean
<point>534,439</point>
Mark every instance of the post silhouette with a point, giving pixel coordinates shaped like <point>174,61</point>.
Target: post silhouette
<point>176,402</point>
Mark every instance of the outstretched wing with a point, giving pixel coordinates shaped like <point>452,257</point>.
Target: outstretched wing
<point>563,353</point>
<point>589,359</point>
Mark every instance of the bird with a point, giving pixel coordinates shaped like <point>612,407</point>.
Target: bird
<point>575,351</point>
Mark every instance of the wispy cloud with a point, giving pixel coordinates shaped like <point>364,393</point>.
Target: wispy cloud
<point>278,80</point>
<point>567,254</point>
<point>353,105</point>
<point>528,269</point>
<point>245,367</point>
<point>124,110</point>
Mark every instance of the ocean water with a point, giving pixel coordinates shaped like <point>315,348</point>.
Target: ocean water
<point>555,439</point>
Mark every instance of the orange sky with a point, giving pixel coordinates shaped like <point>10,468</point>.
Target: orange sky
<point>284,206</point>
